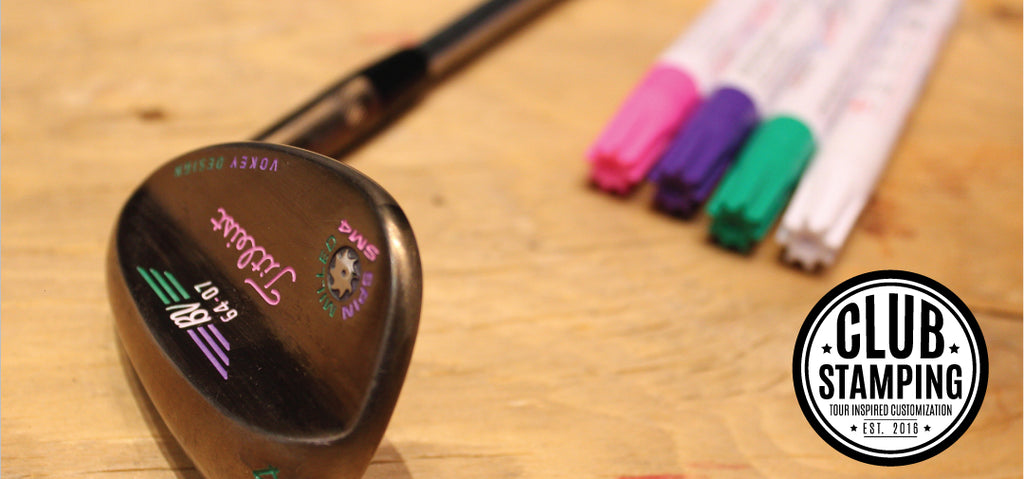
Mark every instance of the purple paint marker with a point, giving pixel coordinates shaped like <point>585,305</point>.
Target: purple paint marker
<point>705,147</point>
<point>698,156</point>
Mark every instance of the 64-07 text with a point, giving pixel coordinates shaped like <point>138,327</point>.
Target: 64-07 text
<point>186,315</point>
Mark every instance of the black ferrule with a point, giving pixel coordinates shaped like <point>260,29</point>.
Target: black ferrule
<point>348,111</point>
<point>397,74</point>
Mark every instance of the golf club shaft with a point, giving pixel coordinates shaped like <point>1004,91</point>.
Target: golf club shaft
<point>349,110</point>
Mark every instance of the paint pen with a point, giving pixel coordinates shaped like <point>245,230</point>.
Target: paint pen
<point>641,129</point>
<point>706,145</point>
<point>841,178</point>
<point>756,188</point>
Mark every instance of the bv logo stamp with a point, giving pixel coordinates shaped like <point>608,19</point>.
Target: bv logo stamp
<point>890,368</point>
<point>192,315</point>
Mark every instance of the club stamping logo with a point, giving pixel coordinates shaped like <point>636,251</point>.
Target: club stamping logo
<point>890,368</point>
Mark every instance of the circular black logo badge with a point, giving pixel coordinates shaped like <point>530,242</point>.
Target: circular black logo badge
<point>890,368</point>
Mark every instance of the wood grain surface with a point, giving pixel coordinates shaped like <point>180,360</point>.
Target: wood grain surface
<point>565,333</point>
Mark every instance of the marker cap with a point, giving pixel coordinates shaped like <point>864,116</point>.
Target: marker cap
<point>642,129</point>
<point>755,190</point>
<point>701,152</point>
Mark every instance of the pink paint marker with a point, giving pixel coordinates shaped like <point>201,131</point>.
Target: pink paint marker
<point>647,120</point>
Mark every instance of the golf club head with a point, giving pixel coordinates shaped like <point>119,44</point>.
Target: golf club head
<point>268,299</point>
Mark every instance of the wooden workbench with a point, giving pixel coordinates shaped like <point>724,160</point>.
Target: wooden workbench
<point>564,332</point>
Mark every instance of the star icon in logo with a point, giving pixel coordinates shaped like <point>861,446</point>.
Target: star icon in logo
<point>954,349</point>
<point>927,428</point>
<point>853,428</point>
<point>826,349</point>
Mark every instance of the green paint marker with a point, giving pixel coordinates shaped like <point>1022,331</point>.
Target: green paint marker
<point>757,187</point>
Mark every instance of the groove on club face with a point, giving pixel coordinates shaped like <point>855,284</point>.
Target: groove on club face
<point>268,298</point>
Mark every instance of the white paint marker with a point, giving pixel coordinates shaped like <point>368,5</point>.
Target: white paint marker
<point>842,177</point>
